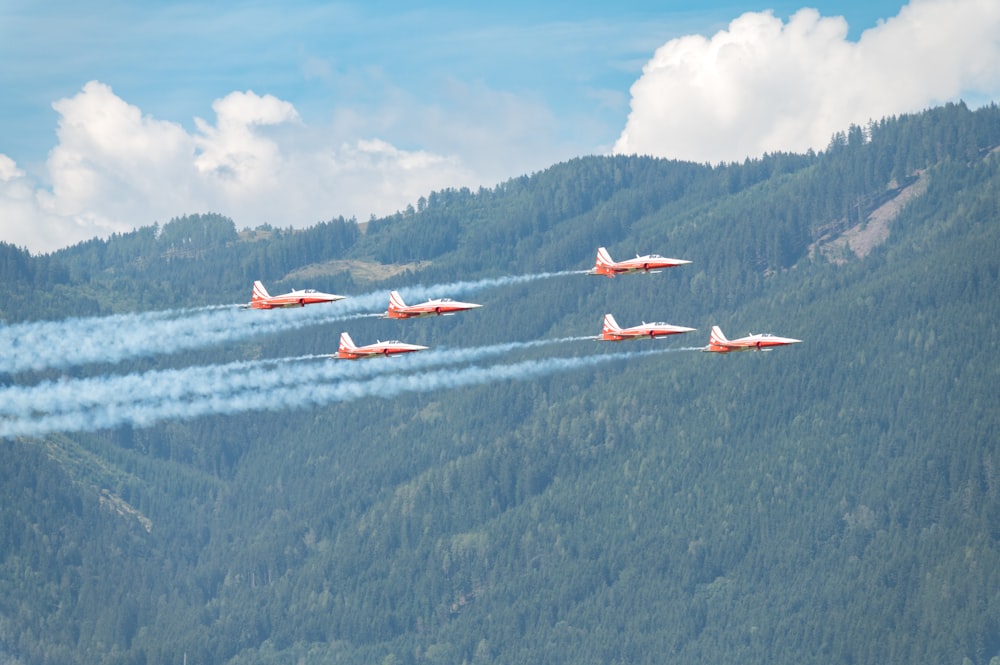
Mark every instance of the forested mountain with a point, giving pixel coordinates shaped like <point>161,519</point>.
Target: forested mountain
<point>837,501</point>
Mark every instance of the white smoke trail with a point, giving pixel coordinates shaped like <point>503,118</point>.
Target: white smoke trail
<point>111,339</point>
<point>144,399</point>
<point>70,342</point>
<point>67,395</point>
<point>472,286</point>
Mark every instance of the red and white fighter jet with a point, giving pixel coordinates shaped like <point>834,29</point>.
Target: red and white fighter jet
<point>612,332</point>
<point>436,307</point>
<point>605,265</point>
<point>349,351</point>
<point>717,342</point>
<point>261,299</point>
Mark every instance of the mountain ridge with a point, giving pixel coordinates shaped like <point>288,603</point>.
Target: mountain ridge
<point>832,501</point>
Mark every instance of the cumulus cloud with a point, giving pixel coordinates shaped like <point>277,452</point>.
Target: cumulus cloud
<point>763,85</point>
<point>18,212</point>
<point>115,169</point>
<point>232,152</point>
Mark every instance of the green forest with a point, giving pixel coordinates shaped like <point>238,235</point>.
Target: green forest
<point>835,501</point>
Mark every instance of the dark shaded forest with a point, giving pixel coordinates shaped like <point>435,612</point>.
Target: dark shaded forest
<point>834,501</point>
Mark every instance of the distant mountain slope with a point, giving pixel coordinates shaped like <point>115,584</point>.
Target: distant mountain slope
<point>835,501</point>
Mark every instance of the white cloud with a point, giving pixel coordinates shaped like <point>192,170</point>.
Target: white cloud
<point>763,85</point>
<point>21,221</point>
<point>8,169</point>
<point>115,169</point>
<point>111,161</point>
<point>233,158</point>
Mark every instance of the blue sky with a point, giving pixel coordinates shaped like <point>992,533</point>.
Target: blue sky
<point>383,102</point>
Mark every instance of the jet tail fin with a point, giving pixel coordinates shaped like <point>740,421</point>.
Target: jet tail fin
<point>603,258</point>
<point>603,264</point>
<point>717,341</point>
<point>259,292</point>
<point>346,343</point>
<point>611,330</point>
<point>396,300</point>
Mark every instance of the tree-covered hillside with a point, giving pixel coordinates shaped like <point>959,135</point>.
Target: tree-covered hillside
<point>642,502</point>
